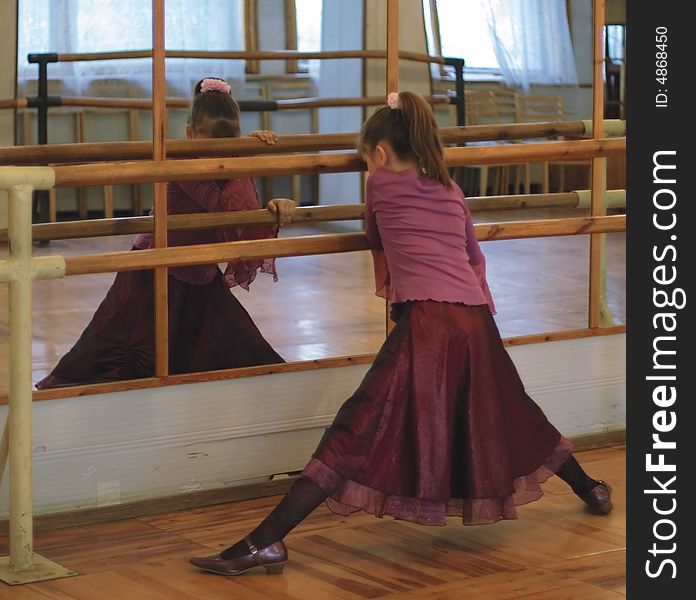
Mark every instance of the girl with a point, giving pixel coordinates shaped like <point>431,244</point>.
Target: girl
<point>441,425</point>
<point>208,327</point>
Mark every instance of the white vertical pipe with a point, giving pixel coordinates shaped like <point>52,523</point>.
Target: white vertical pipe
<point>20,397</point>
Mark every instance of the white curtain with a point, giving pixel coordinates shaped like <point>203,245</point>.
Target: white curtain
<point>532,41</point>
<point>76,26</point>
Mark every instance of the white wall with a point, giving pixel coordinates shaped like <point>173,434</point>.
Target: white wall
<point>342,26</point>
<point>343,30</point>
<point>578,101</point>
<point>272,33</point>
<point>413,76</point>
<point>8,62</point>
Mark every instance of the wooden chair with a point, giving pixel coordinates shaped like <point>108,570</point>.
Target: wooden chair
<point>535,108</point>
<point>486,107</point>
<point>506,106</point>
<point>120,88</point>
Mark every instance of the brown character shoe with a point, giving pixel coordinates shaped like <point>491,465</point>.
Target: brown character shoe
<point>599,498</point>
<point>272,558</point>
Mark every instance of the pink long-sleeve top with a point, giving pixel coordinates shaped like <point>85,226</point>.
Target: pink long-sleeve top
<point>422,239</point>
<point>186,197</point>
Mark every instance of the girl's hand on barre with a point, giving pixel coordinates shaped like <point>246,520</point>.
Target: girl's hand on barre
<point>284,208</point>
<point>265,135</point>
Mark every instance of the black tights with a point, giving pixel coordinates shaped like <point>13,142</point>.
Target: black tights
<point>572,473</point>
<point>305,495</point>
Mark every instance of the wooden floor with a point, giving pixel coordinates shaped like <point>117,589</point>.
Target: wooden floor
<point>324,306</point>
<point>554,551</point>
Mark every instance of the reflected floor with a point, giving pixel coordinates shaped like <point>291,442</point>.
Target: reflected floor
<point>324,306</point>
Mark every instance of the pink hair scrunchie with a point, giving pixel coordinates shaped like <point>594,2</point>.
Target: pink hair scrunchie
<point>393,100</point>
<point>215,85</point>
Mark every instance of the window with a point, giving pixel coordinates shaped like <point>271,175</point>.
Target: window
<point>526,42</point>
<point>616,43</point>
<point>464,33</point>
<point>302,22</point>
<point>76,26</point>
<point>615,40</point>
<point>308,16</point>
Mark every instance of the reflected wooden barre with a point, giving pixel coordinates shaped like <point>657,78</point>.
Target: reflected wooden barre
<point>244,146</point>
<point>133,225</point>
<point>13,103</point>
<point>297,103</point>
<point>179,256</point>
<point>248,55</point>
<point>249,105</point>
<point>315,214</point>
<point>184,103</point>
<point>221,168</point>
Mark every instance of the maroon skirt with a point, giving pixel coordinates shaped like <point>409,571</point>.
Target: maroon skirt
<point>209,329</point>
<point>440,426</point>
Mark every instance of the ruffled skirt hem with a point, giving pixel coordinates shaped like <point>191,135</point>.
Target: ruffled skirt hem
<point>351,496</point>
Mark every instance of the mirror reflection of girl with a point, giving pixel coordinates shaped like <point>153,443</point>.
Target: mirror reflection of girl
<point>441,425</point>
<point>209,329</point>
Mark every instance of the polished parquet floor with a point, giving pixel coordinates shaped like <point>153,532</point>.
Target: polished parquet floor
<point>324,306</point>
<point>554,551</point>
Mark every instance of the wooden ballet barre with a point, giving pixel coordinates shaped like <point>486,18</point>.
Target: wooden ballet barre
<point>176,148</point>
<point>89,56</point>
<point>179,256</point>
<point>134,225</point>
<point>245,105</point>
<point>13,103</point>
<point>516,230</point>
<point>575,199</point>
<point>244,146</point>
<point>134,103</point>
<point>248,55</point>
<point>298,54</point>
<point>316,214</point>
<point>298,103</point>
<point>220,168</point>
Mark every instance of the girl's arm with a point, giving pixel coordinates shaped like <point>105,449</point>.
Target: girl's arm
<point>477,260</point>
<point>480,272</point>
<point>472,246</point>
<point>379,259</point>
